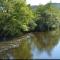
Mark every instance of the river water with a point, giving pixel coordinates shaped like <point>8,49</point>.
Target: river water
<point>38,45</point>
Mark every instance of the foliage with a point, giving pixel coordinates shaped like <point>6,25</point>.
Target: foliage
<point>14,17</point>
<point>32,25</point>
<point>47,17</point>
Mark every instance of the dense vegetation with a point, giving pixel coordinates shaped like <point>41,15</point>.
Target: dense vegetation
<point>16,17</point>
<point>47,17</point>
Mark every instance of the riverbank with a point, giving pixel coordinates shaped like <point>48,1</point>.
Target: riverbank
<point>13,43</point>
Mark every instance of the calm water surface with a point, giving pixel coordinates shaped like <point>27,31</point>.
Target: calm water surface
<point>38,45</point>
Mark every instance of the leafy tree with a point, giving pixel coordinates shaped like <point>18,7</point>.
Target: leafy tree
<point>47,17</point>
<point>14,17</point>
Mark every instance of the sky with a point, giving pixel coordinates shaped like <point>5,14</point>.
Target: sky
<point>37,2</point>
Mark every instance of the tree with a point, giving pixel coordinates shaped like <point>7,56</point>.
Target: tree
<point>14,17</point>
<point>47,17</point>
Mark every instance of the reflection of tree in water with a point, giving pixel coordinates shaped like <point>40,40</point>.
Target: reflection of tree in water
<point>22,52</point>
<point>45,41</point>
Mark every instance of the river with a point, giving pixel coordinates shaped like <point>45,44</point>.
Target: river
<point>38,45</point>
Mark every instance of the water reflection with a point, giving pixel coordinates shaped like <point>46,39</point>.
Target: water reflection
<point>45,41</point>
<point>36,45</point>
<point>44,44</point>
<point>21,52</point>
